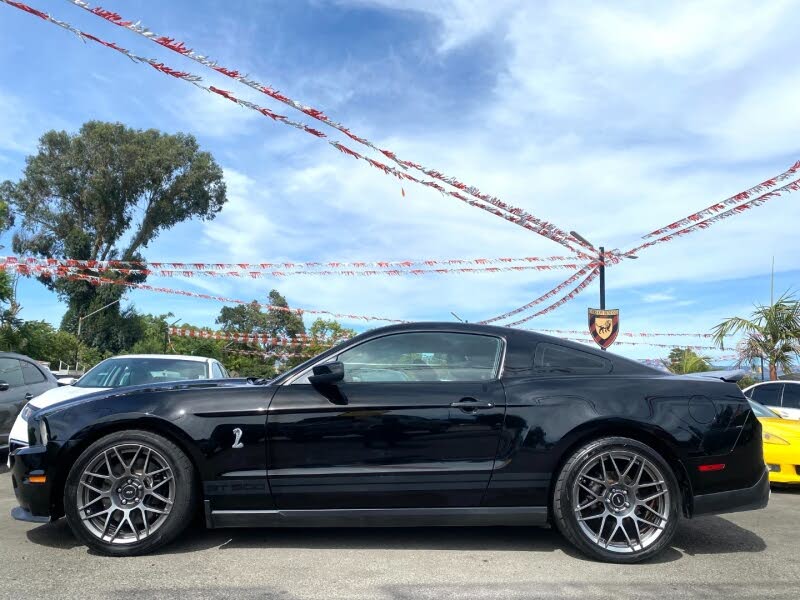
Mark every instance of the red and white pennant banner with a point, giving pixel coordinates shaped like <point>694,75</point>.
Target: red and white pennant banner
<point>266,355</point>
<point>733,200</point>
<point>561,301</point>
<point>705,224</point>
<point>98,280</point>
<point>67,270</point>
<point>652,344</point>
<point>630,333</point>
<point>286,265</point>
<point>521,217</point>
<point>541,298</point>
<point>252,338</point>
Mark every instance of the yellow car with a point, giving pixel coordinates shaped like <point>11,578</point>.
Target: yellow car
<point>781,445</point>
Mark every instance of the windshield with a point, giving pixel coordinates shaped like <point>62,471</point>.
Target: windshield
<point>117,372</point>
<point>762,411</point>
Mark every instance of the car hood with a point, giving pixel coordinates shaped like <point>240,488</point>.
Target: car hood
<point>784,428</point>
<point>61,394</point>
<point>91,394</point>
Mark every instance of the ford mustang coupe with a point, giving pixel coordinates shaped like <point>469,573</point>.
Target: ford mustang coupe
<point>417,424</point>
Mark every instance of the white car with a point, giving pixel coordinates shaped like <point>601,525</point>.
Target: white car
<point>783,397</point>
<point>133,369</point>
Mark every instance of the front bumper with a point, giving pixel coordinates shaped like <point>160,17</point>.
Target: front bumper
<point>783,463</point>
<point>33,498</point>
<point>749,498</point>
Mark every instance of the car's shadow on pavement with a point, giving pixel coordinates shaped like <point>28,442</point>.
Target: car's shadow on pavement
<point>706,535</point>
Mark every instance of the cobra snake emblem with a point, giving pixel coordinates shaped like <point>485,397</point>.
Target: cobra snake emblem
<point>237,442</point>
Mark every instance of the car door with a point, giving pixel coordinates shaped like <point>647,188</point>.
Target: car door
<point>415,423</point>
<point>13,395</point>
<point>769,395</point>
<point>790,404</point>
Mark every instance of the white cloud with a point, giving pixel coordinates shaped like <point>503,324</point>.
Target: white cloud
<point>21,124</point>
<point>658,297</point>
<point>610,120</point>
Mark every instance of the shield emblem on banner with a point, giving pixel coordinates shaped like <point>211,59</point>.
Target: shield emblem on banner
<point>604,326</point>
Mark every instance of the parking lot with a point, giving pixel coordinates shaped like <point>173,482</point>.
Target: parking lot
<point>745,555</point>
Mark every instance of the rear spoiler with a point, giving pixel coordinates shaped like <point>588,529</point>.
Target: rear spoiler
<point>729,376</point>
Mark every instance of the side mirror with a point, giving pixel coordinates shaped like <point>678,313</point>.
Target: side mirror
<point>66,380</point>
<point>4,386</point>
<point>327,374</point>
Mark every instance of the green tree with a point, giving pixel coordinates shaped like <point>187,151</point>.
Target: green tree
<point>251,318</point>
<point>106,193</point>
<point>154,338</point>
<point>682,361</point>
<point>9,313</point>
<point>771,332</point>
<point>323,330</point>
<point>243,358</point>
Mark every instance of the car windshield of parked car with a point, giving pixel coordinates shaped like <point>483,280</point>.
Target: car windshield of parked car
<point>762,411</point>
<point>117,372</point>
<point>423,357</point>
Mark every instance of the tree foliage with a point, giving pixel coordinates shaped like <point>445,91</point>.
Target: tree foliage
<point>243,359</point>
<point>771,332</point>
<point>682,361</point>
<point>106,193</point>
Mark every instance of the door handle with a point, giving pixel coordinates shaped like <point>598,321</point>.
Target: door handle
<point>471,404</point>
<point>28,396</point>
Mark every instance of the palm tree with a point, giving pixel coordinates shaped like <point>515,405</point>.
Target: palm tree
<point>772,332</point>
<point>683,361</point>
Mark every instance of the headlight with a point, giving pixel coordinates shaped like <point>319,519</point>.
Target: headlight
<point>43,437</point>
<point>26,412</point>
<point>771,438</point>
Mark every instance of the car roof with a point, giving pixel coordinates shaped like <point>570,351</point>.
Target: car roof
<point>755,385</point>
<point>165,357</point>
<point>17,355</point>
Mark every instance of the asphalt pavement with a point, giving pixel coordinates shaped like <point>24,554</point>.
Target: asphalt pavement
<point>744,555</point>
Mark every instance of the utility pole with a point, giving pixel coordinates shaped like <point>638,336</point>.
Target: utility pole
<point>167,327</point>
<point>611,317</point>
<point>601,258</point>
<point>602,278</point>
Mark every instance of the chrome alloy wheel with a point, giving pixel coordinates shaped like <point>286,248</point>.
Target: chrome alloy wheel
<point>125,493</point>
<point>621,501</point>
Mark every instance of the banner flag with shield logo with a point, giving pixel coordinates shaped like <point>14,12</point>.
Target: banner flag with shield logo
<point>604,326</point>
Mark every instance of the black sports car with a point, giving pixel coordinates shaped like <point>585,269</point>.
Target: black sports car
<point>419,424</point>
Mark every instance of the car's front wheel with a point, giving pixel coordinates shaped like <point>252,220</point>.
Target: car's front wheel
<point>616,500</point>
<point>129,493</point>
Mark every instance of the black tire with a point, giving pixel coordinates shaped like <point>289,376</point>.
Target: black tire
<point>183,503</point>
<point>566,513</point>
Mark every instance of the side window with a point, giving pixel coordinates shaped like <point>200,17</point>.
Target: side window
<point>791,395</point>
<point>551,358</point>
<point>11,372</point>
<point>768,394</point>
<point>216,371</point>
<point>31,373</point>
<point>423,357</point>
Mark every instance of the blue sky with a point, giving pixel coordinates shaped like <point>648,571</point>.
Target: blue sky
<point>611,121</point>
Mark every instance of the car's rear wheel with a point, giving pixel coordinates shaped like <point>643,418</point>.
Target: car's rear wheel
<point>616,500</point>
<point>129,493</point>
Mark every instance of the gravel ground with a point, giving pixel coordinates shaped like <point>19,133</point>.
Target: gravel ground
<point>744,555</point>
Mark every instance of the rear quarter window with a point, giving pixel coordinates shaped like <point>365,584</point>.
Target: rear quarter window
<point>31,373</point>
<point>555,359</point>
